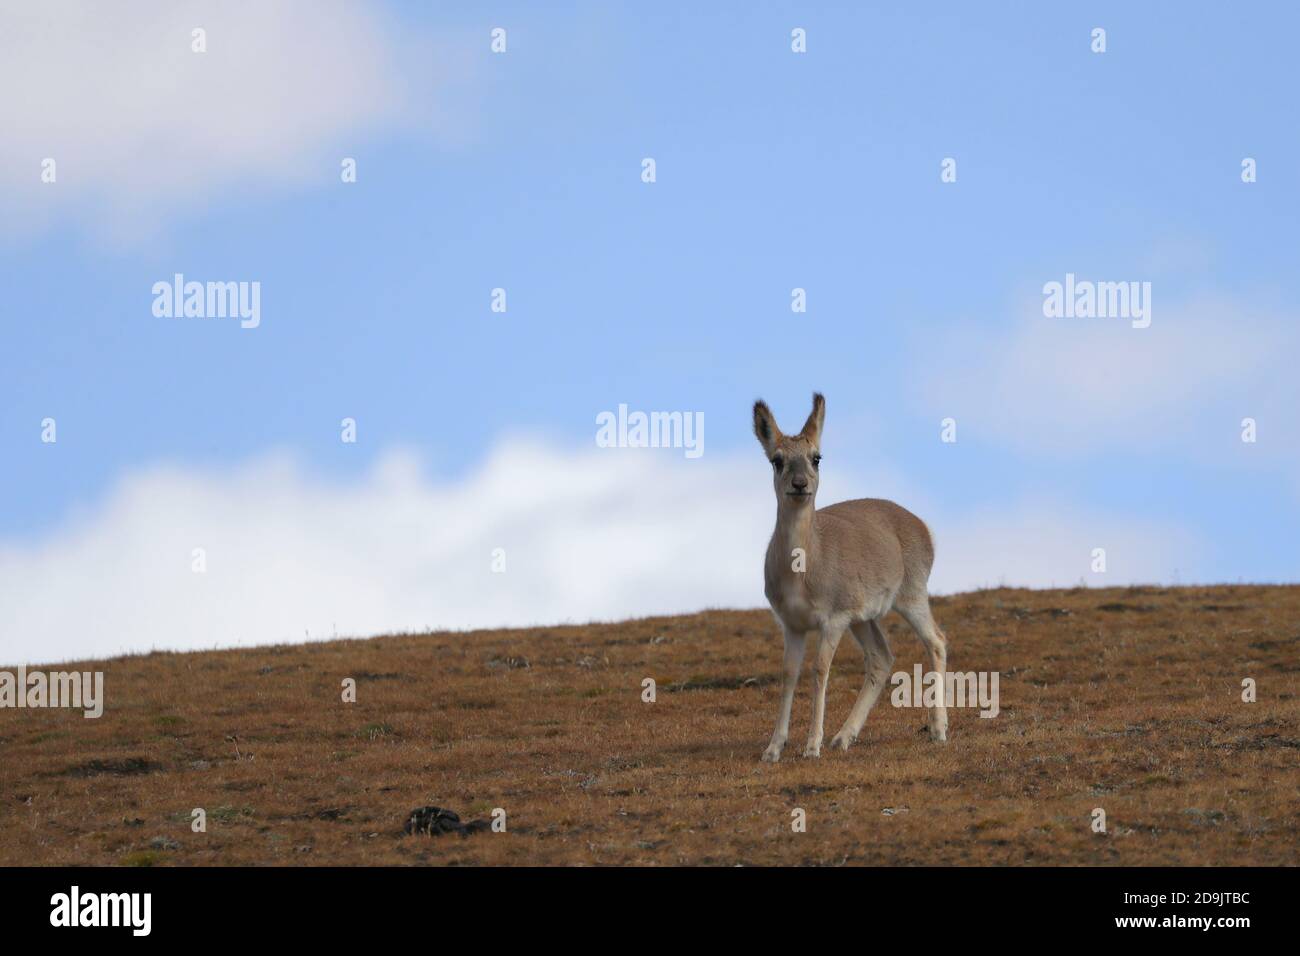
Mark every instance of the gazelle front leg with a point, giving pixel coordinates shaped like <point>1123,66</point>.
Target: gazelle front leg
<point>793,662</point>
<point>828,639</point>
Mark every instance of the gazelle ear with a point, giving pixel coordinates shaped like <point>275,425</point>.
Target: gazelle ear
<point>812,428</point>
<point>765,428</point>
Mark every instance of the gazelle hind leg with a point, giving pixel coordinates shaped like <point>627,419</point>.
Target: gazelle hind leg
<point>878,659</point>
<point>916,611</point>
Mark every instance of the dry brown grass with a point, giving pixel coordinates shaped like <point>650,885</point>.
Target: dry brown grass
<point>1126,699</point>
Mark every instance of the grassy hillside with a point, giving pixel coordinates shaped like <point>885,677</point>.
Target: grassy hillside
<point>1124,699</point>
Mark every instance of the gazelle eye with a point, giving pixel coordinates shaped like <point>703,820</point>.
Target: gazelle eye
<point>817,461</point>
<point>778,463</point>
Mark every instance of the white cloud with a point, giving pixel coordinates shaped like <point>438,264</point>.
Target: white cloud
<point>1072,385</point>
<point>596,534</point>
<point>142,128</point>
<point>1045,543</point>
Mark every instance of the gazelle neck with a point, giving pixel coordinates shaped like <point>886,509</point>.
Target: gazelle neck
<point>794,526</point>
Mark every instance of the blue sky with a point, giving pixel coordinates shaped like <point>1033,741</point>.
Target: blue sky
<point>775,170</point>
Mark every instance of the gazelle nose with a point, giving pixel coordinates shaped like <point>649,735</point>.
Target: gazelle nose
<point>800,482</point>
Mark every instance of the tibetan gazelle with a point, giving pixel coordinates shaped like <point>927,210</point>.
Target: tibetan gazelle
<point>841,567</point>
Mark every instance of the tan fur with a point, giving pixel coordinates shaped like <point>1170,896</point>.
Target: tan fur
<point>859,559</point>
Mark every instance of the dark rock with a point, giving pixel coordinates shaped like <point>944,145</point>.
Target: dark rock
<point>435,821</point>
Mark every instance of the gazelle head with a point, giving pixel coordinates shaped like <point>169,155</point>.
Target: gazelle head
<point>795,458</point>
